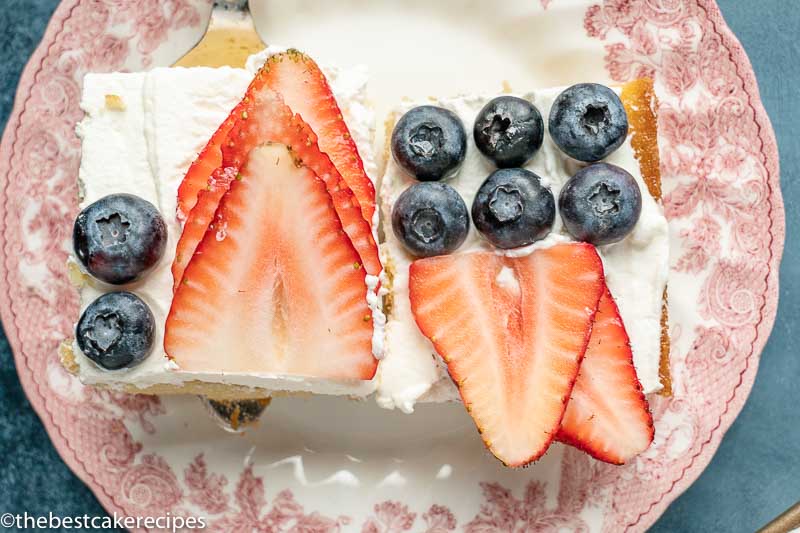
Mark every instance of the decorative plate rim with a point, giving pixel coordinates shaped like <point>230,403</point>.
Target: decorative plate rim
<point>769,150</point>
<point>700,460</point>
<point>27,78</point>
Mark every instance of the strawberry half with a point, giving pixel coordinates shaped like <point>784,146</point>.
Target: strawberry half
<point>512,332</point>
<point>607,416</point>
<point>264,117</point>
<point>305,89</point>
<point>274,287</point>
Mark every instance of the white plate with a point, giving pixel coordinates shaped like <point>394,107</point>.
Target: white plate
<point>327,464</point>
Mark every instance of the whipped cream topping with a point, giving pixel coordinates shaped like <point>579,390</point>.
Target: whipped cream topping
<point>635,268</point>
<point>143,145</point>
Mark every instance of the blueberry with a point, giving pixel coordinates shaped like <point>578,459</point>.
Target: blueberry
<point>588,122</point>
<point>429,142</point>
<point>430,219</point>
<point>116,331</point>
<point>600,204</point>
<point>512,208</point>
<point>509,131</point>
<point>119,238</point>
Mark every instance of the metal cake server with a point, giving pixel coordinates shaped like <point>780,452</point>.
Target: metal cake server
<point>229,39</point>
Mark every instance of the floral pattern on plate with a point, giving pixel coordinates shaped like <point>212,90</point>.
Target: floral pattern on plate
<point>720,175</point>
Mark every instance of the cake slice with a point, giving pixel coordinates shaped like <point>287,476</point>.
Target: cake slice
<point>144,145</point>
<point>458,325</point>
<point>635,268</point>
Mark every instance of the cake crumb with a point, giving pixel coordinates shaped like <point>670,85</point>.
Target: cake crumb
<point>67,357</point>
<point>114,102</point>
<point>507,87</point>
<point>75,275</point>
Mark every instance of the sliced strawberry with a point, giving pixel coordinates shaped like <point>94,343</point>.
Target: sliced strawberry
<point>209,159</point>
<point>512,332</point>
<point>200,217</point>
<point>274,287</point>
<point>263,117</point>
<point>607,415</point>
<point>266,118</point>
<point>305,89</point>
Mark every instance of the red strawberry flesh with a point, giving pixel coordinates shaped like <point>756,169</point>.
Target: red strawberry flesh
<point>512,349</point>
<point>607,415</point>
<point>209,160</point>
<point>305,89</point>
<point>274,287</point>
<point>264,117</point>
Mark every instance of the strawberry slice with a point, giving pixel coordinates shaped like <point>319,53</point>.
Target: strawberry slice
<point>264,117</point>
<point>200,217</point>
<point>607,415</point>
<point>274,287</point>
<point>512,332</point>
<point>305,89</point>
<point>201,169</point>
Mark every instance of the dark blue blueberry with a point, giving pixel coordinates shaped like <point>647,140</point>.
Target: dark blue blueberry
<point>588,122</point>
<point>429,142</point>
<point>116,331</point>
<point>600,204</point>
<point>512,208</point>
<point>119,238</point>
<point>430,219</point>
<point>509,131</point>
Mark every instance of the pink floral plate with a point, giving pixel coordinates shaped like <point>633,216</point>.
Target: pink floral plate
<point>324,464</point>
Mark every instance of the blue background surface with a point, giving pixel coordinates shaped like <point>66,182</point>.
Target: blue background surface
<point>755,474</point>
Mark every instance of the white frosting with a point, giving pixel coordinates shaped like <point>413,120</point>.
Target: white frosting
<point>145,149</point>
<point>257,60</point>
<point>635,268</point>
<point>508,280</point>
